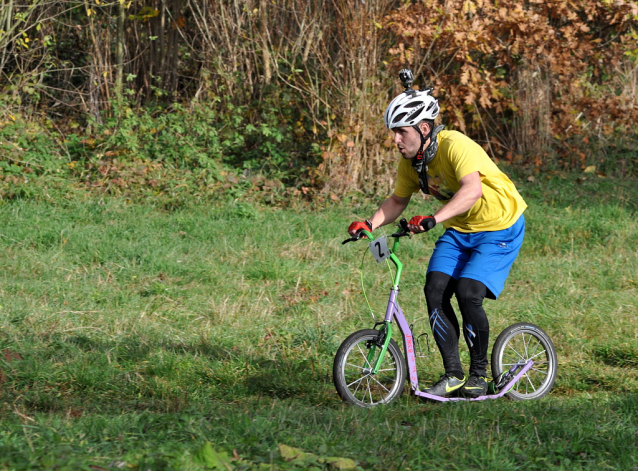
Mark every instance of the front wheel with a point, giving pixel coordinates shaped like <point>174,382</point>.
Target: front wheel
<point>520,343</point>
<point>352,370</point>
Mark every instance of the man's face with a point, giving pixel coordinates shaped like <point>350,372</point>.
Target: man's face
<point>407,140</point>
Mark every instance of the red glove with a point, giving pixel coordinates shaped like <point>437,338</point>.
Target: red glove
<point>359,226</point>
<point>426,222</point>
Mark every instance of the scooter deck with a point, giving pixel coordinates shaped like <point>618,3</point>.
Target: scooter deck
<point>504,390</point>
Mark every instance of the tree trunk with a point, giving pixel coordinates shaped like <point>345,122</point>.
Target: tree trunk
<point>120,50</point>
<point>263,7</point>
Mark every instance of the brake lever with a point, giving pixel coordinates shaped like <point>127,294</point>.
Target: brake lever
<point>403,225</point>
<point>354,238</point>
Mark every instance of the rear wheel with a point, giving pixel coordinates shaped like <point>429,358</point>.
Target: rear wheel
<point>520,343</point>
<point>352,370</point>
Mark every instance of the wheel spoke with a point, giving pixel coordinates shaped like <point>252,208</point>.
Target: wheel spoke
<point>370,391</point>
<point>536,348</point>
<point>515,351</point>
<point>365,357</point>
<point>539,371</point>
<point>376,381</point>
<point>539,353</point>
<point>355,366</point>
<point>357,381</point>
<point>364,391</point>
<point>525,344</point>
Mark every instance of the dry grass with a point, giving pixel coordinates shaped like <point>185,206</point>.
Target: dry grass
<point>532,123</point>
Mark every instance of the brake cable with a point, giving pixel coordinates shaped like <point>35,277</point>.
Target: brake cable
<point>363,288</point>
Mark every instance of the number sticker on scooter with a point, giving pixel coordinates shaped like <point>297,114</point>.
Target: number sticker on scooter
<point>379,249</point>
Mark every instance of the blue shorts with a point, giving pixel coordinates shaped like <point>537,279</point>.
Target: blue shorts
<point>483,256</point>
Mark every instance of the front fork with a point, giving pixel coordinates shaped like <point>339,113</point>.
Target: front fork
<point>385,332</point>
<point>382,342</point>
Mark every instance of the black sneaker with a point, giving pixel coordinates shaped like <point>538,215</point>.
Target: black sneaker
<point>446,385</point>
<point>475,386</point>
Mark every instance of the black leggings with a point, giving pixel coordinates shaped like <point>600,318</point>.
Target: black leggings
<point>469,293</point>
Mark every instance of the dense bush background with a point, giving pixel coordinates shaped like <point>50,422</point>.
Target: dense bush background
<point>289,94</point>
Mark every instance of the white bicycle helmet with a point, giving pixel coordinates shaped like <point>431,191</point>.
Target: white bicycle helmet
<point>411,106</point>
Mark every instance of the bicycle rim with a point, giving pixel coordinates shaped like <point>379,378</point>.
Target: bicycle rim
<point>521,344</point>
<point>354,379</point>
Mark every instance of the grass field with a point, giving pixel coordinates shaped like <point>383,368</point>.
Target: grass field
<point>139,338</point>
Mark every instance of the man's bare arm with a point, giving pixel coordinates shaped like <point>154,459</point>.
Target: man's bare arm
<point>389,211</point>
<point>469,192</point>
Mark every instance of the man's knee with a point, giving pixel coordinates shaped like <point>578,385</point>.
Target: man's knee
<point>437,287</point>
<point>470,292</point>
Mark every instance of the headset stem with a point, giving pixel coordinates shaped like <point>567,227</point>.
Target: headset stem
<point>386,331</point>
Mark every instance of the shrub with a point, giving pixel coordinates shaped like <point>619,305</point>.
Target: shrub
<point>524,77</point>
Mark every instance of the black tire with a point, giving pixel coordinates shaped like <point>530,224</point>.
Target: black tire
<point>523,342</point>
<point>352,378</point>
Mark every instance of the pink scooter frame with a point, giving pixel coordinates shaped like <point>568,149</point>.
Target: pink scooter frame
<point>394,310</point>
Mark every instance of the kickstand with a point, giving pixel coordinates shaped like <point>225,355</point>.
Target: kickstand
<point>417,342</point>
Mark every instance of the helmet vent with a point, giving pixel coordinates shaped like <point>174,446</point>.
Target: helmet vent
<point>413,115</point>
<point>398,117</point>
<point>413,104</point>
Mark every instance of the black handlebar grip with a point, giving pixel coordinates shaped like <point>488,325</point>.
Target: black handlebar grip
<point>428,223</point>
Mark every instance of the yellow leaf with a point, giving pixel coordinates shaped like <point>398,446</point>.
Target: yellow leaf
<point>341,463</point>
<point>590,169</point>
<point>289,453</point>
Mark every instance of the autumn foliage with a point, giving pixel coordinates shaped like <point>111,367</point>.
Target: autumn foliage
<point>526,78</point>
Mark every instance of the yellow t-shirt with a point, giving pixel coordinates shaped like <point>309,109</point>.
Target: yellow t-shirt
<point>498,208</point>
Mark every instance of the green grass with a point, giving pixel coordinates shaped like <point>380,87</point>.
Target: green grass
<point>133,336</point>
